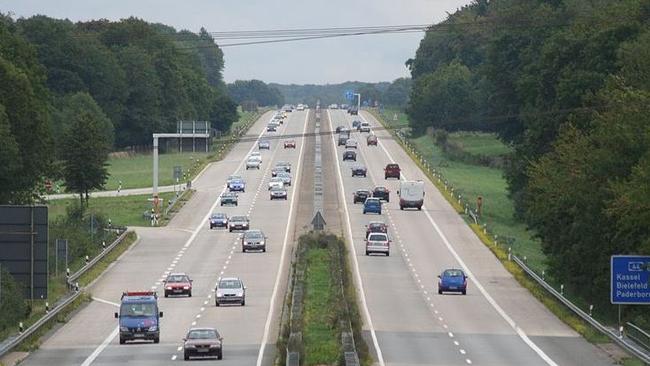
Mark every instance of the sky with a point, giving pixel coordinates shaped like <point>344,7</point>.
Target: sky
<point>369,58</point>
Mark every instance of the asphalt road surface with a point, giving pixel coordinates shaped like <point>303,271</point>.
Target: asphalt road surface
<point>188,245</point>
<point>497,323</point>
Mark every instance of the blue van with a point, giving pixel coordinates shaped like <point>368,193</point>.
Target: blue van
<point>139,318</point>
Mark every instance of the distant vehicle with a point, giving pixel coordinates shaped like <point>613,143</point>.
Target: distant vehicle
<point>365,127</point>
<point>276,170</point>
<point>354,111</point>
<point>230,290</point>
<point>287,108</point>
<point>371,140</point>
<point>356,124</point>
<point>253,240</point>
<point>178,284</point>
<point>351,144</point>
<point>271,128</point>
<point>253,162</point>
<point>284,164</point>
<point>300,107</point>
<point>378,243</point>
<point>372,205</point>
<point>344,106</point>
<point>229,198</point>
<point>411,194</point>
<point>276,182</point>
<point>256,153</point>
<point>202,342</point>
<point>286,178</point>
<point>231,178</point>
<point>238,223</point>
<point>139,317</point>
<point>392,171</point>
<point>359,170</point>
<point>340,128</point>
<point>290,144</point>
<point>452,280</point>
<point>237,185</point>
<point>360,195</point>
<point>264,144</point>
<point>334,106</point>
<point>376,227</point>
<point>278,193</point>
<point>350,155</point>
<point>343,138</point>
<point>218,219</point>
<point>382,193</point>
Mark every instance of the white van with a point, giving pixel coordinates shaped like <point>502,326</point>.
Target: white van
<point>411,194</point>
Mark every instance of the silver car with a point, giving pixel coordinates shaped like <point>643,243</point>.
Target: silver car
<point>253,162</point>
<point>279,193</point>
<point>378,243</point>
<point>286,178</point>
<point>284,165</point>
<point>230,290</point>
<point>253,240</point>
<point>276,182</point>
<point>264,144</point>
<point>351,144</point>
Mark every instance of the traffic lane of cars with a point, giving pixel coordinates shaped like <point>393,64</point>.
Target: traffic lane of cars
<point>395,303</point>
<point>460,315</point>
<point>243,326</point>
<point>527,313</point>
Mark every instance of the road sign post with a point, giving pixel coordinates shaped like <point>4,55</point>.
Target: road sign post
<point>630,279</point>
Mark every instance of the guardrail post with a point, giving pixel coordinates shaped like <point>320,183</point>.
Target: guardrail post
<point>543,275</point>
<point>103,245</point>
<point>562,289</point>
<point>509,253</point>
<point>87,260</point>
<point>20,327</point>
<point>47,307</point>
<point>620,331</point>
<point>591,310</point>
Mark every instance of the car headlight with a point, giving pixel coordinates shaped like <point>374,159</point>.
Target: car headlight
<point>153,328</point>
<point>168,288</point>
<point>124,329</point>
<point>216,345</point>
<point>189,346</point>
<point>262,242</point>
<point>219,294</point>
<point>240,294</point>
<point>186,287</point>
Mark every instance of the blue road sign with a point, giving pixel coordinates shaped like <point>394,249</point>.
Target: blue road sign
<point>630,282</point>
<point>349,95</point>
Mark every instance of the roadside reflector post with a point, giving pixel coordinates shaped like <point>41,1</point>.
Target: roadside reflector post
<point>103,245</point>
<point>562,289</point>
<point>20,327</point>
<point>591,310</point>
<point>47,307</point>
<point>87,260</point>
<point>543,275</point>
<point>509,253</point>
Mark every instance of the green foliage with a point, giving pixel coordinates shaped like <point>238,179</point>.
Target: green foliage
<point>327,94</point>
<point>86,143</point>
<point>397,94</point>
<point>12,305</point>
<point>255,91</point>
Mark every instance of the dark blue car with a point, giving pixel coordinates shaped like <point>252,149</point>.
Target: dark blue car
<point>452,280</point>
<point>372,205</point>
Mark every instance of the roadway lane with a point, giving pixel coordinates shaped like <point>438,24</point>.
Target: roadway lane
<point>187,245</point>
<point>501,325</point>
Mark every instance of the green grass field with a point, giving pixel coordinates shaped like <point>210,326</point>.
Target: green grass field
<point>123,211</point>
<point>321,341</point>
<point>479,143</point>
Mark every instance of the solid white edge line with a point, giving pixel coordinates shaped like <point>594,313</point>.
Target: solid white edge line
<point>364,305</point>
<point>105,301</point>
<point>473,278</point>
<point>89,360</point>
<point>278,277</point>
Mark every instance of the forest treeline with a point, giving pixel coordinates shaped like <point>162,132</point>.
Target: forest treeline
<point>566,83</point>
<point>118,81</point>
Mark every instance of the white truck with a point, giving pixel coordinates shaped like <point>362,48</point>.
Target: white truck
<point>411,194</point>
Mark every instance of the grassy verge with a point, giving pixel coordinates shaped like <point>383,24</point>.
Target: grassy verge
<point>122,210</point>
<point>500,251</point>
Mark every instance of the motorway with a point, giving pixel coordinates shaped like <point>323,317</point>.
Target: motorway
<point>187,245</point>
<point>407,322</point>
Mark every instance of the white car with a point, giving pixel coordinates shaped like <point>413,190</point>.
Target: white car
<point>278,193</point>
<point>276,182</point>
<point>253,162</point>
<point>364,127</point>
<point>351,144</point>
<point>286,178</point>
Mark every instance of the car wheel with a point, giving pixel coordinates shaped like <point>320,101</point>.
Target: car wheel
<point>156,340</point>
<point>243,303</point>
<point>220,355</point>
<point>230,229</point>
<point>387,254</point>
<point>439,292</point>
<point>387,199</point>
<point>419,208</point>
<point>285,198</point>
<point>122,341</point>
<point>385,177</point>
<point>364,212</point>
<point>264,250</point>
<point>464,292</point>
<point>367,252</point>
<point>216,303</point>
<point>189,294</point>
<point>235,203</point>
<point>243,250</point>
<point>221,203</point>
<point>401,208</point>
<point>186,357</point>
<point>166,294</point>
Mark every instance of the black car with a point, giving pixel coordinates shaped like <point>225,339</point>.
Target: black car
<point>218,219</point>
<point>356,124</point>
<point>350,155</point>
<point>360,195</point>
<point>354,111</point>
<point>229,198</point>
<point>339,128</point>
<point>382,193</point>
<point>359,170</point>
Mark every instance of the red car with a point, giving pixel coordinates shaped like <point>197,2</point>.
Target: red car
<point>376,227</point>
<point>290,144</point>
<point>392,171</point>
<point>178,284</point>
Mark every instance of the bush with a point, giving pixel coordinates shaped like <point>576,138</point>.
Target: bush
<point>12,304</point>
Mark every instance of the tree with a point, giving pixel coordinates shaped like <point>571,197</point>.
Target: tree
<point>85,149</point>
<point>255,91</point>
<point>397,94</point>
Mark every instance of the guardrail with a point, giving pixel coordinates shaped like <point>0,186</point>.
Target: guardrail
<point>620,337</point>
<point>11,342</point>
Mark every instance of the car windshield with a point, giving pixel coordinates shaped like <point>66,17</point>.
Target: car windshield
<point>230,284</point>
<point>376,225</point>
<point>238,218</point>
<point>253,235</point>
<point>229,195</point>
<point>453,273</point>
<point>219,216</point>
<point>372,201</point>
<point>377,237</point>
<point>234,177</point>
<point>363,192</point>
<point>276,180</point>
<point>202,334</point>
<point>146,309</point>
<point>178,278</point>
<point>238,181</point>
<point>276,189</point>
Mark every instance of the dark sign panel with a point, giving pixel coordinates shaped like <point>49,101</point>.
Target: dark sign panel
<point>23,247</point>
